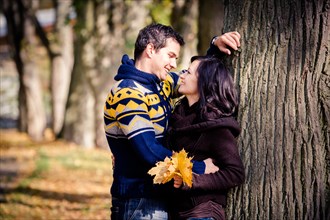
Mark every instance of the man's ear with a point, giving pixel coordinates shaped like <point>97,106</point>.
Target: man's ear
<point>150,49</point>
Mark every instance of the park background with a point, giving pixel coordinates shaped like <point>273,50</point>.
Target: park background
<point>58,60</point>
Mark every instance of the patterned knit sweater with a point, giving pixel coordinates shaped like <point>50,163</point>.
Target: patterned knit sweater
<point>136,116</point>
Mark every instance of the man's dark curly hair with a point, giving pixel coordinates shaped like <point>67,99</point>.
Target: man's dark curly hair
<point>157,34</point>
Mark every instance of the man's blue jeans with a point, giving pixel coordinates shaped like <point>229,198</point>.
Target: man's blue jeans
<point>138,209</point>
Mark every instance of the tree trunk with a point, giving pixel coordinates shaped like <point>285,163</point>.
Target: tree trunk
<point>109,44</point>
<point>79,119</point>
<point>210,22</point>
<point>98,51</point>
<point>283,77</point>
<point>79,124</point>
<point>137,17</point>
<point>22,35</point>
<point>62,63</point>
<point>35,113</point>
<point>14,14</point>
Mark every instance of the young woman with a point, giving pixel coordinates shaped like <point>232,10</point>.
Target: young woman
<point>203,124</point>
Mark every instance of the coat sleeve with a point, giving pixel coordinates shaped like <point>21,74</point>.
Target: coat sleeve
<point>231,170</point>
<point>214,51</point>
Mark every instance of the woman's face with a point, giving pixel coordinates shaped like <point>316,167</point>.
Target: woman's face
<point>188,85</point>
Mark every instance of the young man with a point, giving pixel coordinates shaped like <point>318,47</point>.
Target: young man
<point>136,117</point>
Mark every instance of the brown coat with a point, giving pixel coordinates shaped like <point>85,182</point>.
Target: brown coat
<point>214,139</point>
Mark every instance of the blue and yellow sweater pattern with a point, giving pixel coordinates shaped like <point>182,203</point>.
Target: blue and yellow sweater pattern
<point>132,109</point>
<point>136,116</point>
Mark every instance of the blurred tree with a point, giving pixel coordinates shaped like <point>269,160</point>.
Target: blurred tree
<point>210,22</point>
<point>101,32</point>
<point>61,44</point>
<point>99,41</point>
<point>160,11</point>
<point>111,46</point>
<point>283,77</point>
<point>184,20</point>
<point>137,16</point>
<point>23,28</point>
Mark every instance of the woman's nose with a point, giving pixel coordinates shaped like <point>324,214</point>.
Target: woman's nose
<point>182,75</point>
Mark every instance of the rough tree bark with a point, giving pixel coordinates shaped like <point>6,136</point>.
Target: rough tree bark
<point>283,77</point>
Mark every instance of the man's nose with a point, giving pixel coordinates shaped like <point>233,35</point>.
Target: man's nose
<point>173,64</point>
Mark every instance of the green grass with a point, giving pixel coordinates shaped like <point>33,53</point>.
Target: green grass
<point>41,166</point>
<point>82,159</point>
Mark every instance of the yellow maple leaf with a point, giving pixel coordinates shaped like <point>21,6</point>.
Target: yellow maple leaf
<point>179,164</point>
<point>161,170</point>
<point>183,166</point>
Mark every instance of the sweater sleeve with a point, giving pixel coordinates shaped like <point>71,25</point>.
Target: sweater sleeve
<point>171,85</point>
<point>226,156</point>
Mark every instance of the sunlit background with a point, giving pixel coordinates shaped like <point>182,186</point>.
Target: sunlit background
<point>57,63</point>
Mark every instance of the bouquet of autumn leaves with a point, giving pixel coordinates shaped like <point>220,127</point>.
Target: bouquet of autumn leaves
<point>179,164</point>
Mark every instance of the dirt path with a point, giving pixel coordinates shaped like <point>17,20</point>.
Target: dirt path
<point>53,180</point>
<point>14,169</point>
<point>15,166</point>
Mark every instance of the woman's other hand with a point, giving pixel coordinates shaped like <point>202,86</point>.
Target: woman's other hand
<point>228,40</point>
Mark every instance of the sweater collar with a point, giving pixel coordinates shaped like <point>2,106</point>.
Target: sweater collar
<point>127,70</point>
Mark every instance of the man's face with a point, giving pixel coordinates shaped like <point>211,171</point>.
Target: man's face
<point>165,58</point>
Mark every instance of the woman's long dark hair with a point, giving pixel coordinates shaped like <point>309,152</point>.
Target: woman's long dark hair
<point>218,94</point>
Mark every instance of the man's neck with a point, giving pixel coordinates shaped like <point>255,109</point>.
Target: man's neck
<point>143,65</point>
